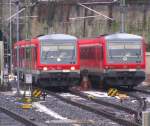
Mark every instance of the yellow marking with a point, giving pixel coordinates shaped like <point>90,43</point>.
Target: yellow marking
<point>26,106</point>
<point>27,99</point>
<point>37,93</point>
<point>112,92</point>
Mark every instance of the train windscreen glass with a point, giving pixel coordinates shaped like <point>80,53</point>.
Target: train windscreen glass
<point>58,53</point>
<point>125,52</point>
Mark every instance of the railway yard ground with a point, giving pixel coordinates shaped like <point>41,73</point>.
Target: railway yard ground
<point>75,108</point>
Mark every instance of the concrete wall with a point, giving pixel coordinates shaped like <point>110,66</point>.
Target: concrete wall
<point>54,18</point>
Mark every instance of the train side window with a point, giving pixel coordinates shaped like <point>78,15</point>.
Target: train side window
<point>101,52</point>
<point>85,53</point>
<point>83,56</point>
<point>94,52</point>
<point>82,53</point>
<point>90,55</point>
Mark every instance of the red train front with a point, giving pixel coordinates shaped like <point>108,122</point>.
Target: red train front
<point>53,60</point>
<point>114,60</point>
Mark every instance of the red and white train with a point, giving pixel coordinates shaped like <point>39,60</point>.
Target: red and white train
<point>113,60</point>
<point>53,60</point>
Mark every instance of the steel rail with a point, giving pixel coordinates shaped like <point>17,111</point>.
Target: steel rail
<point>100,101</point>
<point>142,103</point>
<point>141,107</point>
<point>20,118</point>
<point>137,112</point>
<point>142,91</point>
<point>94,110</point>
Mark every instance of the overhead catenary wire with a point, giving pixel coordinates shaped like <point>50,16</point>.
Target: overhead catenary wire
<point>86,17</point>
<point>106,17</point>
<point>92,3</point>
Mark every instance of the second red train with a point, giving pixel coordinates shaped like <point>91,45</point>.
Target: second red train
<point>116,60</point>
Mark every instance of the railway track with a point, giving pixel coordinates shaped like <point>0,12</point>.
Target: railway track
<point>6,120</point>
<point>137,113</point>
<point>18,120</point>
<point>142,103</point>
<point>142,91</point>
<point>98,111</point>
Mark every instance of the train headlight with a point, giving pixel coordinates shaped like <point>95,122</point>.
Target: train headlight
<point>72,68</point>
<point>45,68</point>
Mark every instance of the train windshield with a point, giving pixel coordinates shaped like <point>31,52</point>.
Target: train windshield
<point>127,52</point>
<point>58,53</point>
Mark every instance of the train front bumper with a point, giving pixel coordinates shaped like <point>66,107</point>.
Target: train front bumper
<point>59,79</point>
<point>124,78</point>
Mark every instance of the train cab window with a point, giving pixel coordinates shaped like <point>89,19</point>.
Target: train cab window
<point>58,53</point>
<point>122,52</point>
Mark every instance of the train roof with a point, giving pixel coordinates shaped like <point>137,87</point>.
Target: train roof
<point>57,37</point>
<point>123,36</point>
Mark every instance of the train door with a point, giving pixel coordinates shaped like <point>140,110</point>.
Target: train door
<point>99,57</point>
<point>34,57</point>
